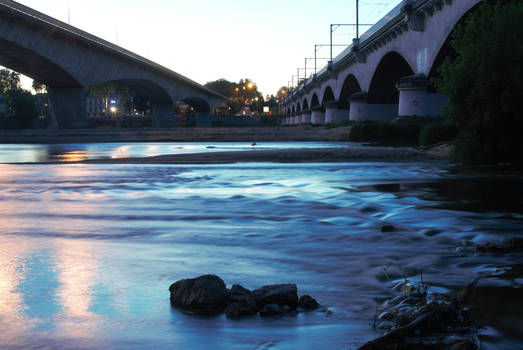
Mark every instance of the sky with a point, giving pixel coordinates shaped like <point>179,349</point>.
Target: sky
<point>264,40</point>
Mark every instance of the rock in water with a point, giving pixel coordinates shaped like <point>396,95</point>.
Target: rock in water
<point>241,303</point>
<point>271,310</point>
<point>238,310</point>
<point>205,295</point>
<point>307,302</point>
<point>280,294</point>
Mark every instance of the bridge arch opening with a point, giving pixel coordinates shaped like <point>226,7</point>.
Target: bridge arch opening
<point>350,86</point>
<point>390,70</point>
<point>197,104</point>
<point>305,104</point>
<point>293,109</point>
<point>131,95</point>
<point>298,107</point>
<point>314,101</point>
<point>288,110</point>
<point>328,95</point>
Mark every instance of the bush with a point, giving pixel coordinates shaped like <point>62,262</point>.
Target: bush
<point>485,84</point>
<point>437,132</point>
<point>385,133</point>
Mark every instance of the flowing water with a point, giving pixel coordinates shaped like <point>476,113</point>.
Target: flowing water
<point>87,252</point>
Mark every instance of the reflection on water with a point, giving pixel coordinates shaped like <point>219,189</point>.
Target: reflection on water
<point>27,153</point>
<point>87,252</point>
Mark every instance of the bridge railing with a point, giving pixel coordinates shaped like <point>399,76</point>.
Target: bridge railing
<point>391,16</point>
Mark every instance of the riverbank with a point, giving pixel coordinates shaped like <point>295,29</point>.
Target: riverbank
<point>238,134</point>
<point>302,155</point>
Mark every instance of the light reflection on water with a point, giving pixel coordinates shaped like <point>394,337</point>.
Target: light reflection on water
<point>87,252</point>
<point>36,153</point>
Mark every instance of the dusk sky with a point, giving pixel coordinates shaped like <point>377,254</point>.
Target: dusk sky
<point>205,40</point>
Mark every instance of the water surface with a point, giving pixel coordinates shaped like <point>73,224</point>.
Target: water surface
<point>87,252</point>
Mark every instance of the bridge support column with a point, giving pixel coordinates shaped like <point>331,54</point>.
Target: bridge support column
<point>358,106</point>
<point>67,108</point>
<point>163,116</point>
<point>317,115</point>
<point>361,110</point>
<point>415,101</point>
<point>306,116</point>
<point>297,119</point>
<point>333,114</point>
<point>203,120</point>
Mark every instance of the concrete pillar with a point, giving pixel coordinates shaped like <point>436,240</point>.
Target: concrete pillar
<point>414,99</point>
<point>333,114</point>
<point>317,115</point>
<point>203,120</point>
<point>306,116</point>
<point>297,118</point>
<point>361,110</point>
<point>67,108</point>
<point>163,116</point>
<point>358,106</point>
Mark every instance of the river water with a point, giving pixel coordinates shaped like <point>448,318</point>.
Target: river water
<point>88,251</point>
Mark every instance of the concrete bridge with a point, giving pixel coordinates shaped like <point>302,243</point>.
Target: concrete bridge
<point>387,72</point>
<point>67,60</point>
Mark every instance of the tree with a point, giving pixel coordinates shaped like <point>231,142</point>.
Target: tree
<point>282,93</point>
<point>22,105</point>
<point>485,84</point>
<point>39,87</point>
<point>222,86</point>
<point>240,94</point>
<point>9,80</point>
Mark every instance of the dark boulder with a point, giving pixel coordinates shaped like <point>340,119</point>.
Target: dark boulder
<point>204,295</point>
<point>271,310</point>
<point>241,295</point>
<point>238,310</point>
<point>241,303</point>
<point>307,302</point>
<point>281,294</point>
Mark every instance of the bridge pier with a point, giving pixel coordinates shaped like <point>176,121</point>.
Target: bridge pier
<point>334,114</point>
<point>163,116</point>
<point>306,116</point>
<point>67,108</point>
<point>358,106</point>
<point>415,101</point>
<point>360,109</point>
<point>297,118</point>
<point>317,115</point>
<point>203,119</point>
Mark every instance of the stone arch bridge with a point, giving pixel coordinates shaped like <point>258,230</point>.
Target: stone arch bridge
<point>387,72</point>
<point>67,60</point>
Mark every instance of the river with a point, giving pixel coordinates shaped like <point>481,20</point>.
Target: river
<point>88,251</point>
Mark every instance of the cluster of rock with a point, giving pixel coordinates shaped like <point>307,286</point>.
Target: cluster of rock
<point>208,295</point>
<point>416,319</point>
